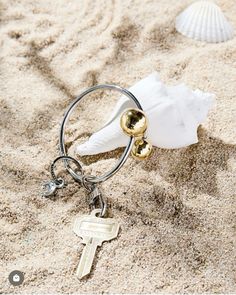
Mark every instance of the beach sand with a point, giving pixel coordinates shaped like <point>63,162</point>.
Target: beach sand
<point>176,210</point>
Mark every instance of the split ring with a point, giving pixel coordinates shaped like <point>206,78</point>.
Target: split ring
<point>67,158</point>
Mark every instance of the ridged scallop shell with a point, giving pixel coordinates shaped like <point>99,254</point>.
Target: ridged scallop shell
<point>204,21</point>
<point>174,114</point>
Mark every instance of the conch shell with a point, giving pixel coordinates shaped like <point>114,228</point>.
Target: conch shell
<point>174,114</point>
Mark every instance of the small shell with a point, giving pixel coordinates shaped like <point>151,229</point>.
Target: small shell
<point>174,114</point>
<point>204,21</point>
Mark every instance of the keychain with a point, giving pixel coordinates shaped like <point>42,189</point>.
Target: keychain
<point>96,228</point>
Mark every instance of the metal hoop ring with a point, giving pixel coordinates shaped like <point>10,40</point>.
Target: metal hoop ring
<point>124,156</point>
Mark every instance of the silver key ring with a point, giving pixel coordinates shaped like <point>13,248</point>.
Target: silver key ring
<point>68,158</point>
<point>124,156</point>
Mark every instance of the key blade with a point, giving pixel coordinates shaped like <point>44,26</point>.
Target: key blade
<point>87,257</point>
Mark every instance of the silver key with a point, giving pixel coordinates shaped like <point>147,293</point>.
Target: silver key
<point>94,231</point>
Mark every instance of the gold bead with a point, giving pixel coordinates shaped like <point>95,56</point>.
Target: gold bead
<point>141,149</point>
<point>133,122</point>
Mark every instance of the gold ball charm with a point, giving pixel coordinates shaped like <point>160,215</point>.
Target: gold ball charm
<point>133,122</point>
<point>141,149</point>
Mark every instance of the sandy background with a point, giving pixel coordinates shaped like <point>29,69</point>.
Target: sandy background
<point>177,210</point>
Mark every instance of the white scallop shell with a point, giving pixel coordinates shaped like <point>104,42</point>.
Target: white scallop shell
<point>204,21</point>
<point>174,114</point>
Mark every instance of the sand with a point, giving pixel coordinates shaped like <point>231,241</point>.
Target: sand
<point>177,210</point>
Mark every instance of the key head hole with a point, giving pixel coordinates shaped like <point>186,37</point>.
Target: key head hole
<point>96,212</point>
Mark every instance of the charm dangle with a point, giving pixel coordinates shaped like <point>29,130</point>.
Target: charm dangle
<point>49,188</point>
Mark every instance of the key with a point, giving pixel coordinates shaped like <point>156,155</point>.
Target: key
<point>94,231</point>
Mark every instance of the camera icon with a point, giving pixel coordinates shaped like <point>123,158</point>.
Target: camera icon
<point>16,278</point>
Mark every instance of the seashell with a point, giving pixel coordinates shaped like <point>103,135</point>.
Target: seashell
<point>174,114</point>
<point>204,21</point>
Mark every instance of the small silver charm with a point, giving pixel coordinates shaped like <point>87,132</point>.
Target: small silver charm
<point>49,188</point>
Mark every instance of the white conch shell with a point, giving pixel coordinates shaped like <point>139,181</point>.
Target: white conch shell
<point>174,114</point>
<point>204,21</point>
